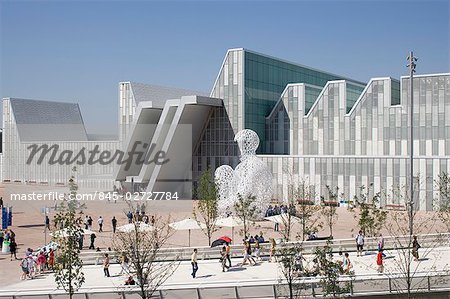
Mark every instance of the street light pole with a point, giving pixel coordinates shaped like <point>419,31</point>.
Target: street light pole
<point>412,69</point>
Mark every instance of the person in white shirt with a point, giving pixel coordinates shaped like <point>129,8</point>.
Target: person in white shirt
<point>100,224</point>
<point>194,263</point>
<point>359,243</point>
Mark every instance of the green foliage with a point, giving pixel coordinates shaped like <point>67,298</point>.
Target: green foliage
<point>329,207</point>
<point>330,272</point>
<point>306,210</point>
<point>143,249</point>
<point>443,203</point>
<point>371,216</point>
<point>207,204</point>
<point>288,265</point>
<point>68,264</point>
<point>246,210</point>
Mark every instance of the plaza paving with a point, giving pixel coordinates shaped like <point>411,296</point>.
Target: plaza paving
<point>29,228</point>
<point>210,273</point>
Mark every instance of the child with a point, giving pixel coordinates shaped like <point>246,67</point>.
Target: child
<point>380,261</point>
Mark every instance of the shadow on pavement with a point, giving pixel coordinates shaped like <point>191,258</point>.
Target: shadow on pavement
<point>236,269</point>
<point>205,276</point>
<point>31,225</point>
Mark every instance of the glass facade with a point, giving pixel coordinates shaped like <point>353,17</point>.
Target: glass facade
<point>314,127</point>
<point>353,93</point>
<point>216,146</point>
<point>265,79</point>
<point>367,146</point>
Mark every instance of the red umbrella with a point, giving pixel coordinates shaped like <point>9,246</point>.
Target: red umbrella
<point>226,239</point>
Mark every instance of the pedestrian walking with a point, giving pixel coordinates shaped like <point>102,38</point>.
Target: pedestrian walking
<point>381,245</point>
<point>257,250</point>
<point>228,250</point>
<point>223,258</point>
<point>51,259</point>
<point>347,264</point>
<point>86,220</point>
<point>380,261</point>
<point>47,222</point>
<point>415,248</point>
<point>247,254</point>
<point>106,265</point>
<point>24,267</point>
<point>124,264</point>
<point>30,265</point>
<point>13,249</point>
<point>41,260</point>
<point>89,222</point>
<point>273,246</point>
<point>194,263</point>
<point>298,262</point>
<point>100,224</point>
<point>359,243</point>
<point>114,224</point>
<point>92,245</point>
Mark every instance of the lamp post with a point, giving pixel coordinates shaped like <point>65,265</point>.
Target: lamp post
<point>412,69</point>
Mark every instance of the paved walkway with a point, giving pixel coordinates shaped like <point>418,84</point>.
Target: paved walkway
<point>210,273</point>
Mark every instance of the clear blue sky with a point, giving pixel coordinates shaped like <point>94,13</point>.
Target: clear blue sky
<point>78,51</point>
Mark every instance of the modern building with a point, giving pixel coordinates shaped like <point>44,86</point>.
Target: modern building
<point>315,127</point>
<point>59,126</point>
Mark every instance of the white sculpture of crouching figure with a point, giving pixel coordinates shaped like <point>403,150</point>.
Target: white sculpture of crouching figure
<point>251,177</point>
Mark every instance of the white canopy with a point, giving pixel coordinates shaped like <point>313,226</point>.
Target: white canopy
<point>130,227</point>
<point>230,221</point>
<point>187,224</point>
<point>64,234</point>
<point>283,219</point>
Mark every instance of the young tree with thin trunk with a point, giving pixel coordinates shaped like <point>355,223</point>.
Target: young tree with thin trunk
<point>330,203</point>
<point>307,211</point>
<point>399,226</point>
<point>330,271</point>
<point>206,207</point>
<point>288,220</point>
<point>246,210</point>
<point>142,246</point>
<point>371,218</point>
<point>68,264</point>
<point>442,204</point>
<point>289,267</point>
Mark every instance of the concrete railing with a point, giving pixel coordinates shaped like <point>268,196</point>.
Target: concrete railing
<point>363,285</point>
<point>344,245</point>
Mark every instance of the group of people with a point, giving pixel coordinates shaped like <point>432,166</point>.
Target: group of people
<point>252,254</point>
<point>140,215</point>
<point>9,237</point>
<point>37,262</point>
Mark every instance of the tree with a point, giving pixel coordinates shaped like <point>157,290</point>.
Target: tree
<point>207,203</point>
<point>289,267</point>
<point>398,225</point>
<point>246,210</point>
<point>330,202</point>
<point>288,220</point>
<point>330,272</point>
<point>442,204</point>
<point>143,249</point>
<point>371,216</point>
<point>307,211</point>
<point>68,264</point>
